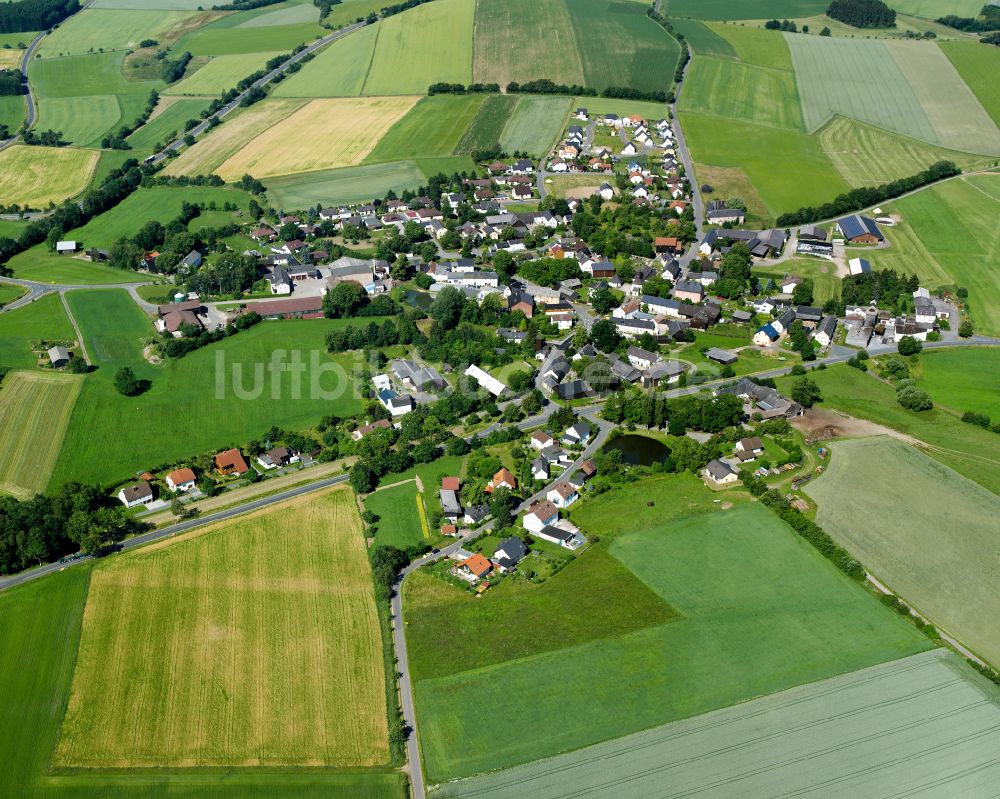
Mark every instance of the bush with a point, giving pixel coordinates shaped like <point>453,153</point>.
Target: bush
<point>908,345</point>
<point>978,419</point>
<point>914,399</point>
<point>965,329</point>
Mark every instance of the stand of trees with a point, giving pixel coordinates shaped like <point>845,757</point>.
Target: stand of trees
<point>988,20</point>
<point>12,83</point>
<point>862,13</point>
<point>35,15</point>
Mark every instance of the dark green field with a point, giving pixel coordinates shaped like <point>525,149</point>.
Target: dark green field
<point>488,124</point>
<point>744,9</point>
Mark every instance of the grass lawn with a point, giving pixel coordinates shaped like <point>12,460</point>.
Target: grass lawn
<point>44,319</point>
<point>432,128</point>
<point>399,522</point>
<point>937,559</point>
<point>169,121</point>
<point>338,71</point>
<point>45,267</point>
<point>296,652</point>
<point>36,176</point>
<point>964,379</point>
<point>9,293</point>
<point>352,184</point>
<point>967,449</point>
<point>36,408</point>
<point>760,611</point>
<point>535,124</point>
<point>192,406</point>
<point>821,272</point>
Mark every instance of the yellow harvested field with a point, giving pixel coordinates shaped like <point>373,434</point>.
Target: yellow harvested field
<point>254,642</point>
<point>208,154</point>
<point>35,408</point>
<point>324,134</point>
<point>37,176</point>
<point>10,57</point>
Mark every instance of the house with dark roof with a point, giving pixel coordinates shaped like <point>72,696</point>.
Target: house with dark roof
<point>859,229</point>
<point>509,553</point>
<point>720,473</point>
<point>136,494</point>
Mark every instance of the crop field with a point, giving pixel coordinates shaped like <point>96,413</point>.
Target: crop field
<point>36,408</point>
<point>399,523</point>
<point>224,37</point>
<point>867,730</point>
<point>703,40</point>
<point>757,46</point>
<point>225,141</point>
<point>169,5</point>
<point>45,318</point>
<point>338,71</point>
<point>220,74</point>
<point>730,644</point>
<point>290,14</point>
<point>82,120</point>
<point>427,44</point>
<point>774,160</point>
<point>352,184</point>
<point>933,9</point>
<point>523,40</point>
<point>36,176</point>
<point>176,112</point>
<point>742,91</point>
<point>978,67</point>
<point>744,9</point>
<point>869,156</point>
<point>432,128</point>
<point>293,675</point>
<point>324,134</point>
<point>535,124</point>
<point>965,379</point>
<point>96,29</point>
<point>948,579</point>
<point>191,405</point>
<point>963,447</point>
<point>488,125</point>
<point>12,111</point>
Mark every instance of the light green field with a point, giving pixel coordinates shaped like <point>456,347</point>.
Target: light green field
<point>978,66</point>
<point>926,539</point>
<point>432,128</point>
<point>865,730</point>
<point>934,9</point>
<point>536,124</point>
<point>40,265</point>
<point>96,29</point>
<point>82,120</point>
<point>220,74</point>
<point>44,319</point>
<point>427,44</point>
<point>774,160</point>
<point>36,408</point>
<point>703,40</point>
<point>12,112</point>
<point>36,176</point>
<point>757,46</point>
<point>399,523</point>
<point>823,274</point>
<point>489,123</point>
<point>290,14</point>
<point>217,39</point>
<point>869,156</point>
<point>338,71</point>
<point>350,11</point>
<point>523,40</point>
<point>171,119</point>
<point>447,165</point>
<point>597,106</point>
<point>9,293</point>
<point>965,379</point>
<point>181,415</point>
<point>352,184</point>
<point>175,5</point>
<point>761,611</point>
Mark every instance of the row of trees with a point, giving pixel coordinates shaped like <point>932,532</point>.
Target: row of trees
<point>987,20</point>
<point>546,86</point>
<point>694,412</point>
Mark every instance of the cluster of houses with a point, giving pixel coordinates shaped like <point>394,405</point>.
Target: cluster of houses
<point>821,328</point>
<point>871,326</point>
<point>577,153</point>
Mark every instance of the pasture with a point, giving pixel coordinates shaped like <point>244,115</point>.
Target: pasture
<point>399,523</point>
<point>12,111</point>
<point>338,71</point>
<point>294,672</point>
<point>428,44</point>
<point>535,124</point>
<point>36,408</point>
<point>703,39</point>
<point>223,37</point>
<point>744,9</point>
<point>40,265</point>
<point>432,128</point>
<point>219,75</point>
<point>941,558</point>
<point>209,153</point>
<point>44,319</point>
<point>175,112</point>
<point>521,40</point>
<point>769,613</point>
<point>978,67</point>
<point>352,184</point>
<point>191,405</point>
<point>865,731</point>
<point>99,29</point>
<point>323,134</point>
<point>82,120</point>
<point>36,176</point>
<point>487,127</point>
<point>965,379</point>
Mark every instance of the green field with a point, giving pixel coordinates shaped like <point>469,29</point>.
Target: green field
<point>37,176</point>
<point>757,46</point>
<point>36,408</point>
<point>744,9</point>
<point>40,265</point>
<point>12,111</point>
<point>182,414</point>
<point>43,319</point>
<point>221,39</point>
<point>96,29</point>
<point>488,125</point>
<point>926,538</point>
<point>170,120</point>
<point>427,44</point>
<point>338,71</point>
<point>399,523</point>
<point>767,613</point>
<point>83,120</point>
<point>963,447</point>
<point>220,74</point>
<point>350,11</point>
<point>432,128</point>
<point>703,40</point>
<point>823,274</point>
<point>964,379</point>
<point>605,105</point>
<point>535,124</point>
<point>933,9</point>
<point>287,14</point>
<point>864,733</point>
<point>352,184</point>
<point>978,67</point>
<point>9,293</point>
<point>740,91</point>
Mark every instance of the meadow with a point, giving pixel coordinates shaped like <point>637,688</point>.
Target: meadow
<point>191,406</point>
<point>966,379</point>
<point>287,14</point>
<point>339,70</point>
<point>932,9</point>
<point>425,45</point>
<point>98,29</point>
<point>823,274</point>
<point>963,447</point>
<point>219,75</point>
<point>294,673</point>
<point>866,729</point>
<point>42,266</point>
<point>36,176</point>
<point>488,125</point>
<point>744,9</point>
<point>703,39</point>
<point>171,119</point>
<point>769,614</point>
<point>12,111</point>
<point>535,124</point>
<point>978,67</point>
<point>352,184</point>
<point>225,37</point>
<point>323,134</point>
<point>44,319</point>
<point>757,46</point>
<point>433,127</point>
<point>36,408</point>
<point>399,523</point>
<point>84,120</point>
<point>936,559</point>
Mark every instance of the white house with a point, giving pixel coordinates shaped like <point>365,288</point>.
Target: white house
<point>721,473</point>
<point>136,494</point>
<point>562,533</point>
<point>577,434</point>
<point>640,358</point>
<point>562,495</point>
<point>606,192</point>
<point>180,480</point>
<point>540,515</point>
<point>540,440</point>
<point>540,469</point>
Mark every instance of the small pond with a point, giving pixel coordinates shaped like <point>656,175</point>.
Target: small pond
<point>639,450</point>
<point>419,299</point>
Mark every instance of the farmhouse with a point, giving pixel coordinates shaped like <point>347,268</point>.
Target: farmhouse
<point>761,399</point>
<point>180,480</point>
<point>178,314</point>
<point>486,380</point>
<point>280,280</point>
<point>765,335</point>
<point>136,494</point>
<point>720,473</point>
<point>722,216</point>
<point>299,308</point>
<point>688,291</point>
<point>231,462</point>
<point>640,358</point>
<point>58,357</point>
<point>859,229</point>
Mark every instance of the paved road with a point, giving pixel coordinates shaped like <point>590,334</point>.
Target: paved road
<point>688,161</point>
<point>37,290</point>
<point>270,76</point>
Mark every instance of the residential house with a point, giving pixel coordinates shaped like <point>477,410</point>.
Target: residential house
<point>562,495</point>
<point>502,479</point>
<point>747,449</point>
<point>417,377</point>
<point>826,330</point>
<point>540,439</point>
<point>762,399</point>
<point>280,280</point>
<point>451,508</point>
<point>688,291</point>
<point>473,569</point>
<point>859,266</point>
<point>766,335</point>
<point>231,462</point>
<point>721,473</point>
<point>365,429</point>
<point>509,553</point>
<point>640,358</point>
<point>578,434</point>
<point>539,515</point>
<point>277,457</point>
<point>136,494</point>
<point>182,479</point>
<point>562,533</point>
<point>540,469</point>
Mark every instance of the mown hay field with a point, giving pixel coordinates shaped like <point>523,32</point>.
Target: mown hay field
<point>287,14</point>
<point>431,129</point>
<point>324,134</point>
<point>979,67</point>
<point>535,124</point>
<point>351,184</point>
<point>338,71</point>
<point>426,45</point>
<point>35,408</point>
<point>932,538</point>
<point>37,176</point>
<point>220,74</point>
<point>254,642</point>
<point>926,725</point>
<point>97,29</point>
<point>966,379</point>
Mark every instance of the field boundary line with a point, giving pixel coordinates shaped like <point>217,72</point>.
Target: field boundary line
<point>76,327</point>
<point>371,58</point>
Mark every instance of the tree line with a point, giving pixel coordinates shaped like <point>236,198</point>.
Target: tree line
<point>987,20</point>
<point>35,15</point>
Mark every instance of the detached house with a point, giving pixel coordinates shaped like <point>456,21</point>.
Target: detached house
<point>136,494</point>
<point>180,480</point>
<point>562,495</point>
<point>502,479</point>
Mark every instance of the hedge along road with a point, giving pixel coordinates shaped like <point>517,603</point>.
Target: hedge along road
<point>177,144</point>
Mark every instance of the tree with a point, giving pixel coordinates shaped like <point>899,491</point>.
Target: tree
<point>447,307</point>
<point>908,345</point>
<point>502,503</point>
<point>55,235</point>
<point>914,399</point>
<point>803,293</point>
<point>126,383</point>
<point>603,300</point>
<point>288,231</point>
<point>825,32</point>
<point>344,299</point>
<point>806,392</point>
<point>604,336</point>
<point>965,329</point>
<point>363,478</point>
